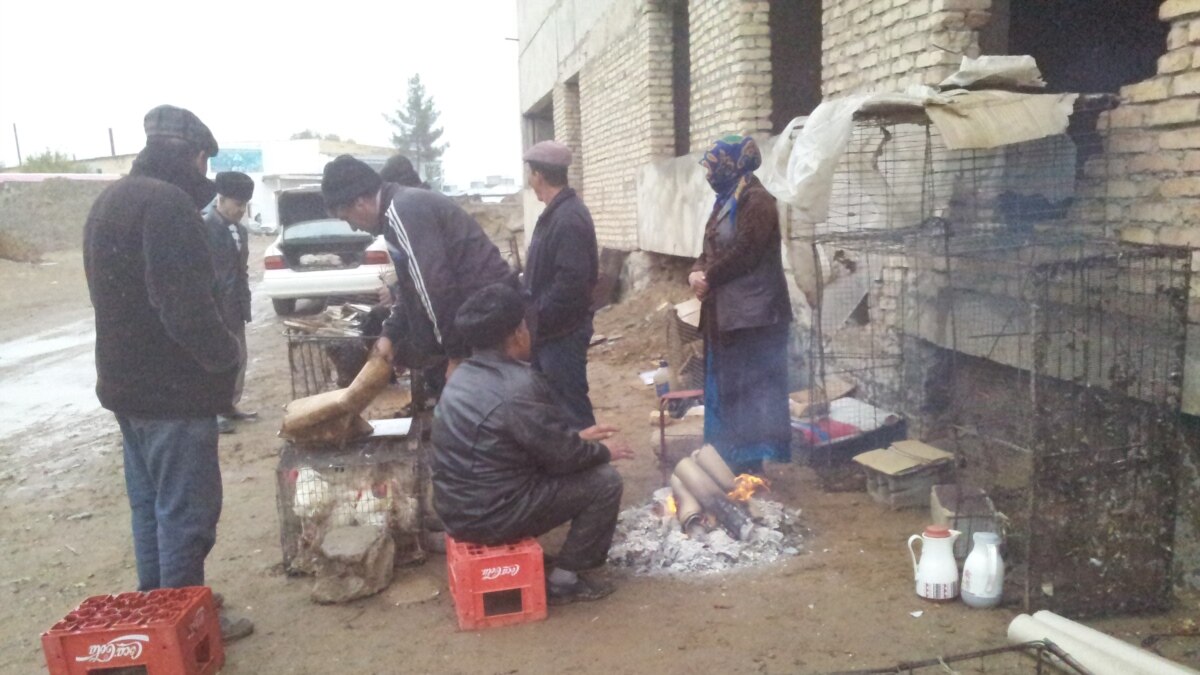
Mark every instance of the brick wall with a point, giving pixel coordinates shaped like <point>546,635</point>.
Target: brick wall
<point>731,69</point>
<point>627,120</point>
<point>1149,174</point>
<point>568,128</point>
<point>887,45</point>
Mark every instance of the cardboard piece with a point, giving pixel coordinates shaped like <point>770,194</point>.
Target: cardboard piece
<point>903,457</point>
<point>990,119</point>
<point>689,312</point>
<point>811,402</point>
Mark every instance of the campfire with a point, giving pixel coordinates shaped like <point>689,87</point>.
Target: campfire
<point>707,520</point>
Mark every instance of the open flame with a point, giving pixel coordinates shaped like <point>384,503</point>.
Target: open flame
<point>672,507</point>
<point>745,485</point>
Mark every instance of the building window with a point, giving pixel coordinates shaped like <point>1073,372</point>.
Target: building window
<point>681,76</point>
<point>1089,47</point>
<point>539,122</point>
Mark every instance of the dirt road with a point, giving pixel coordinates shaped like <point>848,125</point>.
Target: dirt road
<point>844,603</point>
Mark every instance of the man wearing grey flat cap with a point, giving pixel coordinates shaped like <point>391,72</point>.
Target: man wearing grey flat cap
<point>165,362</point>
<point>560,274</point>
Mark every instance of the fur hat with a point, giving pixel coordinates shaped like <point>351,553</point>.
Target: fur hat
<point>235,185</point>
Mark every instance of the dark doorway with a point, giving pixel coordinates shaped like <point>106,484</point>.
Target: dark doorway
<point>1089,47</point>
<point>795,59</point>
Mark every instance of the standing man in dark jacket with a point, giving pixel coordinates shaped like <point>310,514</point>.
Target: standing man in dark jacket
<point>165,362</point>
<point>441,256</point>
<point>560,275</point>
<point>507,463</point>
<point>230,245</point>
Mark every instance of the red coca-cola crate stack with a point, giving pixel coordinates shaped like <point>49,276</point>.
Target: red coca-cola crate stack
<point>496,585</point>
<point>170,631</point>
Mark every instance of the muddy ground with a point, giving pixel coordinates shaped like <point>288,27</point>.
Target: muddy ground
<point>844,603</point>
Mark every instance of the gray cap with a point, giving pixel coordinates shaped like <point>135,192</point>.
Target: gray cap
<point>551,153</point>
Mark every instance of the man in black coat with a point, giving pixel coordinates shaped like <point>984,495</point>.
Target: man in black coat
<point>440,252</point>
<point>165,361</point>
<point>230,245</point>
<point>560,274</point>
<point>507,463</point>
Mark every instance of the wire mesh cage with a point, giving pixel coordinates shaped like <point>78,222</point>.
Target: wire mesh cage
<point>377,482</point>
<point>974,294</point>
<point>320,363</point>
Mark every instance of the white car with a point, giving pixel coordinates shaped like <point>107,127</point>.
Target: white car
<point>319,257</point>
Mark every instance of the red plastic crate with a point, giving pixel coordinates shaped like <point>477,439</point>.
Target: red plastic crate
<point>496,585</point>
<point>169,631</point>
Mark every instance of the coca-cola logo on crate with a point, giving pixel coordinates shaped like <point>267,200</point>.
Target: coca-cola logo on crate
<point>490,573</point>
<point>126,646</point>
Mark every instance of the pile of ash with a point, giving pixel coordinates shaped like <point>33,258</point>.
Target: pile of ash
<point>653,543</point>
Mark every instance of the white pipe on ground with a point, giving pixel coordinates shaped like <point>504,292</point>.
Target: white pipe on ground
<point>1025,628</point>
<point>709,460</point>
<point>1140,658</point>
<point>687,509</point>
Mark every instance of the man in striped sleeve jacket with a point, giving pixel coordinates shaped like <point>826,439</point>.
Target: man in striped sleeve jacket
<point>441,254</point>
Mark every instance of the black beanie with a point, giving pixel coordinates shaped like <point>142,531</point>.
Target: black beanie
<point>489,316</point>
<point>347,179</point>
<point>235,185</point>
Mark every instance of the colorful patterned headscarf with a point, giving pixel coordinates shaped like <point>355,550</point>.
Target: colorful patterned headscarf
<point>729,162</point>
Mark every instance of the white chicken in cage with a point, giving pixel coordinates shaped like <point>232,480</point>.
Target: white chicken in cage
<point>313,495</point>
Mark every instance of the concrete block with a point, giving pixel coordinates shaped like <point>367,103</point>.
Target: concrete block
<point>1180,139</point>
<point>1179,236</point>
<point>1180,187</point>
<point>1175,61</point>
<point>1155,89</point>
<point>1174,112</point>
<point>1176,9</point>
<point>1186,84</point>
<point>356,562</point>
<point>1138,235</point>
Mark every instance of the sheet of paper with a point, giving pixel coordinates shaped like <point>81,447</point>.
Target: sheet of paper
<point>399,426</point>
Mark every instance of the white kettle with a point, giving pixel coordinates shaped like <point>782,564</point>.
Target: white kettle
<point>983,572</point>
<point>937,573</point>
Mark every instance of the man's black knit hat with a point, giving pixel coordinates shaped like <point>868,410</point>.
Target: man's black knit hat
<point>167,121</point>
<point>346,179</point>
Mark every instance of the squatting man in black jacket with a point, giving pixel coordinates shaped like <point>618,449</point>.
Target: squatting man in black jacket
<point>507,464</point>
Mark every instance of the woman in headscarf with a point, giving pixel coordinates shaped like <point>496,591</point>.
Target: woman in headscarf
<point>745,313</point>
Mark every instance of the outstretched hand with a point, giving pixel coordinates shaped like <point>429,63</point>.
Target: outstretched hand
<point>619,450</point>
<point>598,432</point>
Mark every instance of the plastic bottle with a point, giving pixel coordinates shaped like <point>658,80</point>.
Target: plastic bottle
<point>662,379</point>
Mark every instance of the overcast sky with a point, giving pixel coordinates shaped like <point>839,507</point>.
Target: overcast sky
<point>259,70</point>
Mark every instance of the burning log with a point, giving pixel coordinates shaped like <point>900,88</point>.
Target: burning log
<point>714,500</point>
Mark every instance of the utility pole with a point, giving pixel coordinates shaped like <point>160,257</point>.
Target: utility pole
<point>112,147</point>
<point>17,140</point>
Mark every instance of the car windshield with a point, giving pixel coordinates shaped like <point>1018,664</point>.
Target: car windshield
<point>323,229</point>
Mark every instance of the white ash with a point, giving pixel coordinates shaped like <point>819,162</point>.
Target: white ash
<point>650,544</point>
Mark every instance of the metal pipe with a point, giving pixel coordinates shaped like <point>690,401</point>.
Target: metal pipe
<point>715,467</point>
<point>710,496</point>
